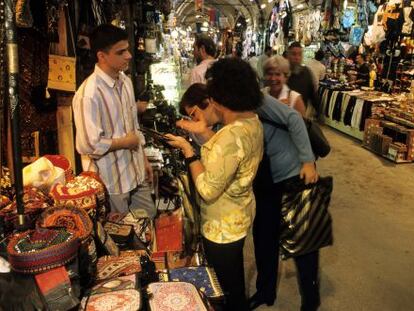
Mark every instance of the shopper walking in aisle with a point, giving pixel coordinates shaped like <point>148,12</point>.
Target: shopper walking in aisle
<point>204,51</point>
<point>276,72</point>
<point>289,159</point>
<point>107,129</point>
<point>301,79</point>
<point>317,68</point>
<point>223,176</point>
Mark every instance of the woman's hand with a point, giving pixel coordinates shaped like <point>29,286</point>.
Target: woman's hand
<point>198,124</point>
<point>308,173</point>
<point>180,143</point>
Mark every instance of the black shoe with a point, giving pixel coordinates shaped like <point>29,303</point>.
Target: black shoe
<point>258,299</point>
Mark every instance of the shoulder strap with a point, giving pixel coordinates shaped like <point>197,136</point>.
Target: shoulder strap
<point>275,124</point>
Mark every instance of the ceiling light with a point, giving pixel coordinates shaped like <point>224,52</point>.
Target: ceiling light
<point>262,6</point>
<point>269,1</point>
<point>238,24</point>
<point>204,29</point>
<point>300,6</point>
<point>205,24</point>
<point>248,20</point>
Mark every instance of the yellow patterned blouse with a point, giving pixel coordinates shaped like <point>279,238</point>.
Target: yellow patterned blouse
<point>231,158</point>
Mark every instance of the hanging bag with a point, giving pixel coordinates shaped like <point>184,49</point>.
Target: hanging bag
<point>306,224</point>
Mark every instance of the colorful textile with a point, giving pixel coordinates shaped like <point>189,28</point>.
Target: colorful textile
<point>42,249</point>
<point>82,191</point>
<point>4,201</point>
<point>33,200</point>
<point>169,232</point>
<point>115,284</point>
<point>114,266</point>
<point>73,219</point>
<point>174,296</point>
<point>123,300</point>
<point>56,289</point>
<point>204,278</point>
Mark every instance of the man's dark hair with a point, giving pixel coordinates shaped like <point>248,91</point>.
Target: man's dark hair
<point>105,36</point>
<point>233,84</point>
<point>268,48</point>
<point>207,42</point>
<point>195,95</point>
<point>295,44</point>
<point>319,55</point>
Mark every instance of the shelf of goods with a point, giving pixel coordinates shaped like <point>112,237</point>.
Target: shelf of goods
<point>391,137</point>
<point>347,111</point>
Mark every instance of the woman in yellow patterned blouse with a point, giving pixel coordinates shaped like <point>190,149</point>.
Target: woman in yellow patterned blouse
<point>224,174</point>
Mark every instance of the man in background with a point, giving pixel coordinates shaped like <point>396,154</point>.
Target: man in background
<point>317,68</point>
<point>204,51</point>
<point>363,70</point>
<point>301,79</point>
<point>262,59</point>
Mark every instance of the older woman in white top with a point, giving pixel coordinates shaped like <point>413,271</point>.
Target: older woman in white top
<point>276,73</point>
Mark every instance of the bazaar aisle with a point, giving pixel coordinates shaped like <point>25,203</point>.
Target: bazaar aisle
<point>370,266</point>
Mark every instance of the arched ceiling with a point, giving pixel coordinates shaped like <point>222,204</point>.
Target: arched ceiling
<point>232,9</point>
<point>250,9</point>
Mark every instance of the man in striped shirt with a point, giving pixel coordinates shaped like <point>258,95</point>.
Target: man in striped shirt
<point>107,129</point>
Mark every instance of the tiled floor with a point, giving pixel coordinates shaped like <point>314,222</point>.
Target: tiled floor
<point>371,265</point>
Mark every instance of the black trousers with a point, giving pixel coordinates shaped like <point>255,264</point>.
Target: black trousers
<point>227,261</point>
<point>266,227</point>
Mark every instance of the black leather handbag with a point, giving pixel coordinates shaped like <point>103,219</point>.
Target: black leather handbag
<point>306,224</point>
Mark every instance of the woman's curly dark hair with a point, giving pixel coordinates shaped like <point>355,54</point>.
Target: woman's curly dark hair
<point>233,84</point>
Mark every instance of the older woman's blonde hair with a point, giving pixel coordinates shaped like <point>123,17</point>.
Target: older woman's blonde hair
<point>277,62</point>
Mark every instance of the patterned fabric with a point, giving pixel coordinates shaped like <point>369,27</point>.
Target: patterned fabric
<point>41,249</point>
<point>4,201</point>
<point>73,219</point>
<point>114,266</point>
<point>105,109</point>
<point>33,200</point>
<point>82,191</point>
<point>124,300</point>
<point>204,278</point>
<point>231,158</point>
<point>116,284</point>
<point>142,226</point>
<point>174,296</point>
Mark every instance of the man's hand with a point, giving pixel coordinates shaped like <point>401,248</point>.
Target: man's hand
<point>131,140</point>
<point>149,174</point>
<point>308,173</point>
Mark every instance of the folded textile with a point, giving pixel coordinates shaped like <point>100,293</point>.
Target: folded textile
<point>83,191</point>
<point>73,219</point>
<point>114,266</point>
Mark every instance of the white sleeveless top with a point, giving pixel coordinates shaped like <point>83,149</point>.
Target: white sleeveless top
<point>286,95</point>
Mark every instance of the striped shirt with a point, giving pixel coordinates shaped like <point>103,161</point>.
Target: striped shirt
<point>105,109</point>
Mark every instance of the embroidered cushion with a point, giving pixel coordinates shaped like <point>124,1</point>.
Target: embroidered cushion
<point>123,300</point>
